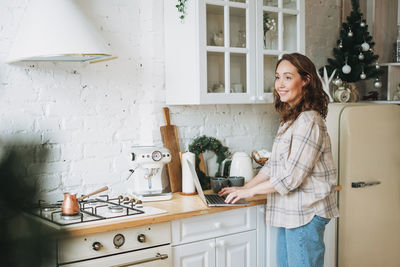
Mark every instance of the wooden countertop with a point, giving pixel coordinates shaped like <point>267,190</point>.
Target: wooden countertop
<point>180,206</point>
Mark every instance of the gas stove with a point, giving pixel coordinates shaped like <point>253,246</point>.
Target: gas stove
<point>97,209</point>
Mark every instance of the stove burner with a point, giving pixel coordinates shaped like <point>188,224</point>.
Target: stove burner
<point>115,208</point>
<point>50,207</point>
<point>71,217</point>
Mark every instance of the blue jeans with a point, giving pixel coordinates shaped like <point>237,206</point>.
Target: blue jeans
<point>302,246</point>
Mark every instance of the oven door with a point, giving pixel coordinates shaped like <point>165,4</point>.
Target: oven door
<point>152,257</point>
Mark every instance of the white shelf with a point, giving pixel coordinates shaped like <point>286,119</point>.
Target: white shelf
<point>390,64</point>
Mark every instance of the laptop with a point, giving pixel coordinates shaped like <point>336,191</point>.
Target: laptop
<point>211,200</point>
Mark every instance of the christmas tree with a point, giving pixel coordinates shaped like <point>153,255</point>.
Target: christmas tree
<point>354,56</point>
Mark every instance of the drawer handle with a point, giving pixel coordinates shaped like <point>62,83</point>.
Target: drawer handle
<point>157,257</point>
<point>217,225</point>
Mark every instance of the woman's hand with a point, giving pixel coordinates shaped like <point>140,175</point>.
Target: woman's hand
<point>227,190</point>
<point>238,193</point>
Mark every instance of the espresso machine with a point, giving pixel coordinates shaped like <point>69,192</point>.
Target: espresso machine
<point>150,177</point>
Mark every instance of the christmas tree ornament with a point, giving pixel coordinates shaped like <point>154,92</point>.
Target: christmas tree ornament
<point>377,83</point>
<point>338,82</point>
<point>350,33</point>
<point>365,46</point>
<point>362,24</point>
<point>377,66</point>
<point>341,44</point>
<point>371,50</point>
<point>346,69</point>
<point>362,75</point>
<point>361,56</point>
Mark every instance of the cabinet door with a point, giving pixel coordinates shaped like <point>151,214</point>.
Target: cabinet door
<point>238,250</point>
<point>197,254</point>
<point>229,51</point>
<point>280,30</point>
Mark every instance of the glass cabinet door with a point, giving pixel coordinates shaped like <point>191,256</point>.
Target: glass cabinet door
<point>269,73</point>
<point>281,30</point>
<point>228,47</point>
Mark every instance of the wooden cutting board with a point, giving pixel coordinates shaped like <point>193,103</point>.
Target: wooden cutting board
<point>169,134</point>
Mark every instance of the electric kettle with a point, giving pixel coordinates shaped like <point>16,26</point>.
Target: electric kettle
<point>242,165</point>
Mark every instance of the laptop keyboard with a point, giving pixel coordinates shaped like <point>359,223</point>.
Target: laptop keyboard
<point>215,199</point>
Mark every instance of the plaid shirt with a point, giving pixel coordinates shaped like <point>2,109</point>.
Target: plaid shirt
<point>301,169</point>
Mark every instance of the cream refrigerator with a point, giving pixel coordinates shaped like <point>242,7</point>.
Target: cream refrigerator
<point>366,149</point>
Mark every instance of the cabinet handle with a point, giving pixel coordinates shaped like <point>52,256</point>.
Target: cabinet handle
<point>217,225</point>
<point>155,258</point>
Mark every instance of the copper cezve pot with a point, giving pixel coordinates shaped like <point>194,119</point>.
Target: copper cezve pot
<point>70,205</point>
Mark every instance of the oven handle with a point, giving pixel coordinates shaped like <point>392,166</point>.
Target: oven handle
<point>157,257</point>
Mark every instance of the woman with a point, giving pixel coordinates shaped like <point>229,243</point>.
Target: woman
<point>299,177</point>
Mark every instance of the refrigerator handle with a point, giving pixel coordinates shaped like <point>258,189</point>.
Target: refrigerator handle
<point>363,184</point>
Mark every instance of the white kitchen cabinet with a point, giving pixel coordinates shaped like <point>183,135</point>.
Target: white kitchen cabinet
<point>230,238</point>
<point>237,250</point>
<point>219,54</point>
<point>197,254</point>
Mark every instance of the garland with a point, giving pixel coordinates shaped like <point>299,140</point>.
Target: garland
<point>205,143</point>
<point>181,8</point>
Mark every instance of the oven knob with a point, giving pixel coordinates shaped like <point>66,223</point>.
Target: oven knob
<point>141,238</point>
<point>97,246</point>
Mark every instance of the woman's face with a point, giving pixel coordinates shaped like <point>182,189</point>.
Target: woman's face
<point>288,83</point>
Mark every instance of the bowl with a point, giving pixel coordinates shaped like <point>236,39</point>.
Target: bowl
<point>217,183</point>
<point>236,180</point>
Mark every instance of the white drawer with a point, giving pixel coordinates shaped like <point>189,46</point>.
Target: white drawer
<point>213,225</point>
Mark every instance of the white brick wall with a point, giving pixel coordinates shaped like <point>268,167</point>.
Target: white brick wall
<point>88,116</point>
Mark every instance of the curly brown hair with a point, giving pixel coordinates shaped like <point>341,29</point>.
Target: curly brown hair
<point>313,96</point>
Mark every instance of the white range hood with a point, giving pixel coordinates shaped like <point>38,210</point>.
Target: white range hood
<point>57,30</point>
